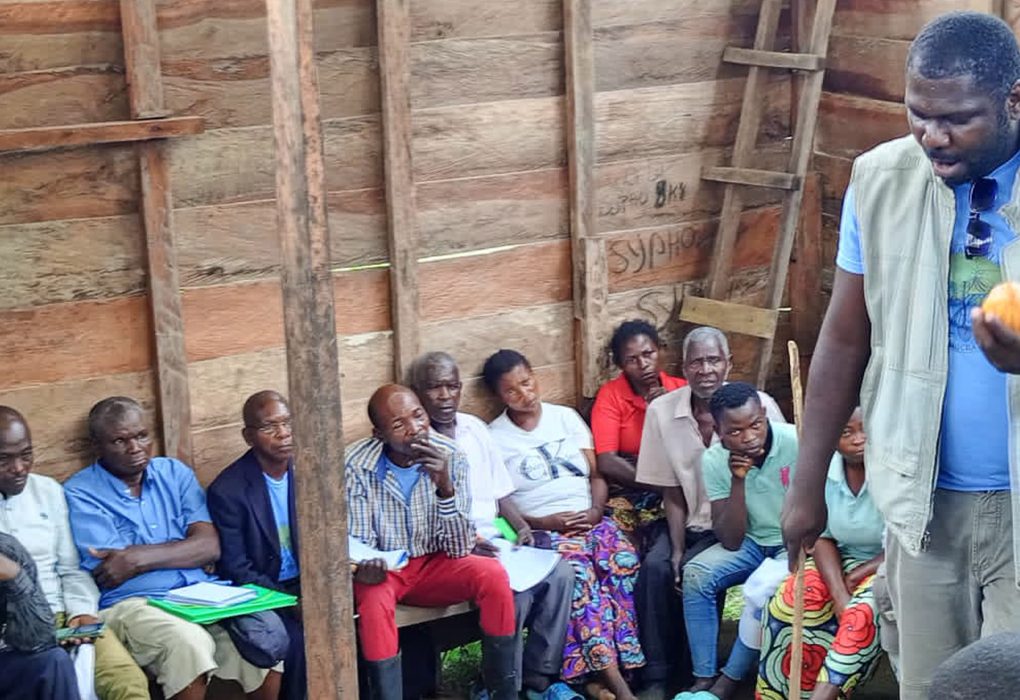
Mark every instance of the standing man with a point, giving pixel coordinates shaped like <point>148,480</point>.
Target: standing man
<point>33,510</point>
<point>544,608</point>
<point>252,506</point>
<point>407,489</point>
<point>929,226</point>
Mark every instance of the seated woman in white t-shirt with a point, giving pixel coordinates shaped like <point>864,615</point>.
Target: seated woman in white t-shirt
<point>548,452</point>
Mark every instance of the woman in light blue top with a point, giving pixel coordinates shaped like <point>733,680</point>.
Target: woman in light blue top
<point>841,645</point>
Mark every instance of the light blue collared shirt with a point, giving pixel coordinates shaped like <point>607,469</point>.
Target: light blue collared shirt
<point>854,521</point>
<point>104,515</point>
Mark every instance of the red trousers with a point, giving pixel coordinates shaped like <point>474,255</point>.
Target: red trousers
<point>433,581</point>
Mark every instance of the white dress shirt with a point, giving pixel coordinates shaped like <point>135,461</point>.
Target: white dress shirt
<point>488,477</point>
<point>37,517</point>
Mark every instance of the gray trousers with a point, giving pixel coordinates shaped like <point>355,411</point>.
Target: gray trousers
<point>545,611</point>
<point>960,589</point>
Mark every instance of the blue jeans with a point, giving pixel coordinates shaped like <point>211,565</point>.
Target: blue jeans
<point>705,577</point>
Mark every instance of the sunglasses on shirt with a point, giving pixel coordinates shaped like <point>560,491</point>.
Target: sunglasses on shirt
<point>979,232</point>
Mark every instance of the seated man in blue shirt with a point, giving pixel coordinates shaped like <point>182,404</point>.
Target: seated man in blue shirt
<point>141,527</point>
<point>252,506</point>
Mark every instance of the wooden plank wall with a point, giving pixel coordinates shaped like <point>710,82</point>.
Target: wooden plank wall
<point>863,102</point>
<point>488,155</point>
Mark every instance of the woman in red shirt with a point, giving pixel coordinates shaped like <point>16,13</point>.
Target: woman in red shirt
<point>617,420</point>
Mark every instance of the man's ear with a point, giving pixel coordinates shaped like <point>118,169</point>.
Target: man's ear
<point>1013,102</point>
<point>247,437</point>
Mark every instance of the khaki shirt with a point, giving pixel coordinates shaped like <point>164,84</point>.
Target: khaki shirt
<point>671,449</point>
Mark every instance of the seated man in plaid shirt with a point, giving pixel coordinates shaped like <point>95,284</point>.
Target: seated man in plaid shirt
<point>407,489</point>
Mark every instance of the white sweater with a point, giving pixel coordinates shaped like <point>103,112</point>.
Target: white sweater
<point>37,517</point>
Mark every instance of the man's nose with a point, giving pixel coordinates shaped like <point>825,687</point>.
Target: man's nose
<point>935,135</point>
<point>444,392</point>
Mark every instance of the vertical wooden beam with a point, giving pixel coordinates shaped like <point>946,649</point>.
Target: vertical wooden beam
<point>807,305</point>
<point>394,20</point>
<point>141,54</point>
<point>141,58</point>
<point>312,364</point>
<point>590,269</point>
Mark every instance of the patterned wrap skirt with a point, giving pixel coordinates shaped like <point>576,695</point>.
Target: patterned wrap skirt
<point>843,652</point>
<point>603,623</point>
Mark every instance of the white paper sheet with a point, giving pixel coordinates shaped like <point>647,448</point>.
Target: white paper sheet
<point>526,566</point>
<point>359,552</point>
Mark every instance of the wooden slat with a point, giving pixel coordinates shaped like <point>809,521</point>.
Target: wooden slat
<point>314,382</point>
<point>394,20</point>
<point>806,300</point>
<point>728,317</point>
<point>751,110</point>
<point>165,300</point>
<point>591,277</point>
<point>141,52</point>
<point>141,58</point>
<point>90,134</point>
<point>773,59</point>
<point>408,615</point>
<point>800,156</point>
<point>752,177</point>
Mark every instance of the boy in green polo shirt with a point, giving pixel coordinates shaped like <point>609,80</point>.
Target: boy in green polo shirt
<point>746,476</point>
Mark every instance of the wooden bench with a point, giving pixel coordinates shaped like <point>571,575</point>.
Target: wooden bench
<point>408,615</point>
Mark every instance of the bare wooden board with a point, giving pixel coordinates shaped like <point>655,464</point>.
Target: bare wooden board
<point>518,278</point>
<point>73,94</point>
<point>729,317</point>
<point>544,334</point>
<point>896,19</point>
<point>223,383</point>
<point>75,341</point>
<point>79,259</point>
<point>867,66</point>
<point>238,318</point>
<point>874,121</point>
<point>72,184</point>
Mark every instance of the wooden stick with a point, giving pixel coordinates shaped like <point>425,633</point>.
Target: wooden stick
<point>797,637</point>
<point>312,365</point>
<point>40,138</point>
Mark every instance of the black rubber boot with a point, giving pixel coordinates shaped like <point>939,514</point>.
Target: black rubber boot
<point>499,667</point>
<point>384,679</point>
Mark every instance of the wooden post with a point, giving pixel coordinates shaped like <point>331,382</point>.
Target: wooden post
<point>807,305</point>
<point>312,364</point>
<point>591,275</point>
<point>141,53</point>
<point>394,20</point>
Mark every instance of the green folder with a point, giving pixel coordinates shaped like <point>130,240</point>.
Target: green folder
<point>206,615</point>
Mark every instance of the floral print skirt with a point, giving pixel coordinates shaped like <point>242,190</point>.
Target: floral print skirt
<point>603,624</point>
<point>843,652</point>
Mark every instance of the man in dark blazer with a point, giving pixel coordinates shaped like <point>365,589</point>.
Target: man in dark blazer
<point>252,506</point>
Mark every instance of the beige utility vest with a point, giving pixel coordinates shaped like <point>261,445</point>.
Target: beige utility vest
<point>906,216</point>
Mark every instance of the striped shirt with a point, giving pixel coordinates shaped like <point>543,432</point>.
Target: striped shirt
<point>378,515</point>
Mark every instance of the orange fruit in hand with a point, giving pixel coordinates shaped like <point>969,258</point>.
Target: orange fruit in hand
<point>1004,302</point>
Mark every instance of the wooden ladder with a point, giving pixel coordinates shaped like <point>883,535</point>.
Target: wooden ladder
<point>762,322</point>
